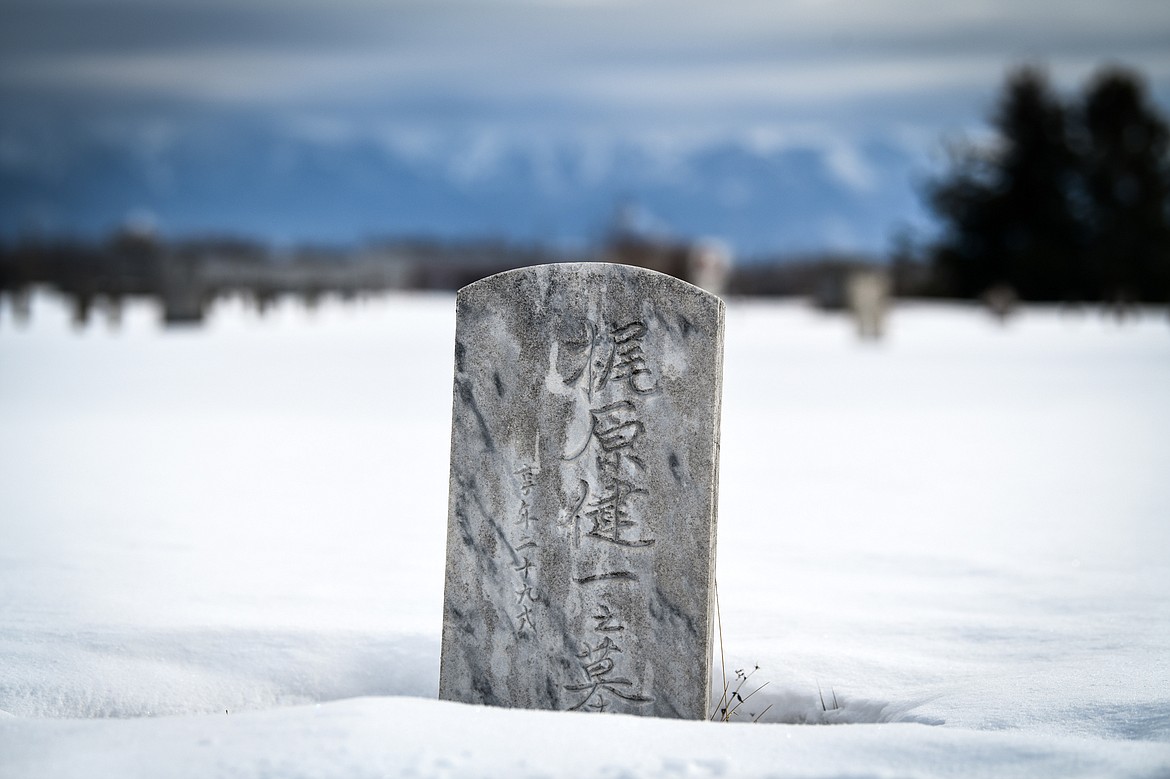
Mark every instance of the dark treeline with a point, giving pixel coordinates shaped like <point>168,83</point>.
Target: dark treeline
<point>1069,202</point>
<point>186,277</point>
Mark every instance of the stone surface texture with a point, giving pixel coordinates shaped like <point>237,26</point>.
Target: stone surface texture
<point>584,472</point>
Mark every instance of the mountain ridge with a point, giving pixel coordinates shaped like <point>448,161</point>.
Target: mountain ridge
<point>283,187</point>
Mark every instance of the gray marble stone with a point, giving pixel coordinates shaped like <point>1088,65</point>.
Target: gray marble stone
<point>584,472</point>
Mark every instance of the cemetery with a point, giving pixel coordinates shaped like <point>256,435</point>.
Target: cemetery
<point>616,390</point>
<point>533,528</point>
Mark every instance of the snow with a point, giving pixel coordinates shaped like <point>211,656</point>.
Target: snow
<point>221,550</point>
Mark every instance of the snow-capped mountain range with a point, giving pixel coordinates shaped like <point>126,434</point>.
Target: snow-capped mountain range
<point>310,185</point>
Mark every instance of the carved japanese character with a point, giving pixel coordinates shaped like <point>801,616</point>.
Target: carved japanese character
<point>528,476</point>
<point>606,620</point>
<point>609,512</point>
<point>595,357</point>
<point>524,568</point>
<point>525,618</point>
<point>610,685</point>
<point>629,361</point>
<point>615,426</point>
<point>524,517</point>
<point>525,593</point>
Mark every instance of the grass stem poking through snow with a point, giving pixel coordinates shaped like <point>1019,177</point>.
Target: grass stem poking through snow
<point>722,705</point>
<point>731,700</point>
<point>833,692</point>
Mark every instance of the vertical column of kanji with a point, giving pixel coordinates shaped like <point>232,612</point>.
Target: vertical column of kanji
<point>492,585</point>
<point>613,547</point>
<point>526,594</point>
<point>503,604</point>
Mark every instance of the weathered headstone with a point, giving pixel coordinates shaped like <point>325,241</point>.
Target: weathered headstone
<point>584,466</point>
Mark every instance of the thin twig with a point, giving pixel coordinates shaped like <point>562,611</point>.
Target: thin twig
<point>743,678</point>
<point>722,659</point>
<point>742,701</point>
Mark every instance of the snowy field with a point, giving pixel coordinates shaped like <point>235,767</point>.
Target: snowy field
<point>221,551</point>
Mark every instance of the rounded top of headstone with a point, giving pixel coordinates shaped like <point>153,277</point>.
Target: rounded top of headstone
<point>583,492</point>
<point>584,269</point>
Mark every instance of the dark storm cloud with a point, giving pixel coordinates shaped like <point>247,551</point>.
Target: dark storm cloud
<point>746,60</point>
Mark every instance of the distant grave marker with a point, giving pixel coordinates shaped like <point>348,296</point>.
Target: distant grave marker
<point>584,468</point>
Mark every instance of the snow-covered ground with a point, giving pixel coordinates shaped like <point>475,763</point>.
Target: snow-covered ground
<point>221,551</point>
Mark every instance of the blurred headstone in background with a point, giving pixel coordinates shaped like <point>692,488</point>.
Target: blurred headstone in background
<point>584,464</point>
<point>705,264</point>
<point>1001,301</point>
<point>867,291</point>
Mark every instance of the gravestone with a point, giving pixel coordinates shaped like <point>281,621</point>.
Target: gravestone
<point>584,467</point>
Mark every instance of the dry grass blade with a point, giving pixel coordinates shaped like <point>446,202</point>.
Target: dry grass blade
<point>742,701</point>
<point>722,705</point>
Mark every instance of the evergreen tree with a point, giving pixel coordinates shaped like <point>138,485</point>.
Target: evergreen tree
<point>1126,183</point>
<point>1068,203</point>
<point>1008,210</point>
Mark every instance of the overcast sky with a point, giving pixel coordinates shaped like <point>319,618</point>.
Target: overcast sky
<point>760,70</point>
